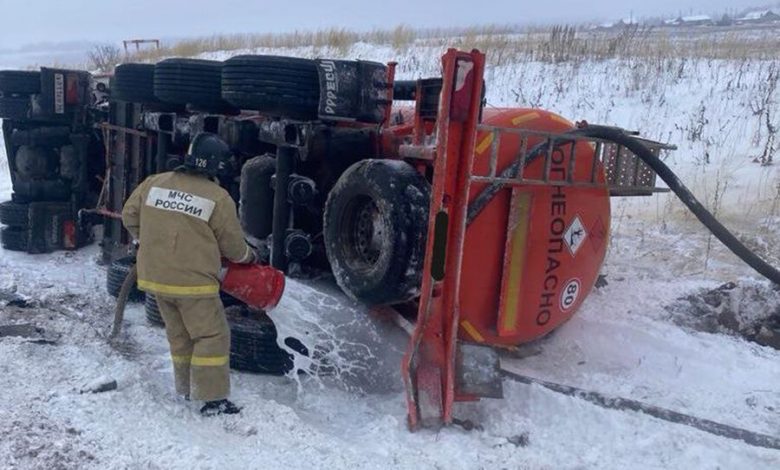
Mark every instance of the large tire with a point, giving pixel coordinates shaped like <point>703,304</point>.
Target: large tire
<point>376,220</point>
<point>134,83</point>
<point>14,214</point>
<point>152,311</point>
<point>19,198</point>
<point>41,190</point>
<point>16,109</point>
<point>115,277</point>
<point>253,345</point>
<point>257,196</point>
<point>19,82</point>
<point>15,238</point>
<point>194,82</point>
<point>273,85</point>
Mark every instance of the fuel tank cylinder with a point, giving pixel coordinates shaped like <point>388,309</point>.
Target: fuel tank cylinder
<point>534,252</point>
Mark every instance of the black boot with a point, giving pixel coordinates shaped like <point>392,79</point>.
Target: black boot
<point>219,407</point>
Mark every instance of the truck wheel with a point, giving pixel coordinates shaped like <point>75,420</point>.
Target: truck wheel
<point>195,82</point>
<point>19,198</point>
<point>253,345</point>
<point>115,277</point>
<point>376,220</point>
<point>152,311</point>
<point>257,196</point>
<point>134,83</point>
<point>274,85</point>
<point>19,82</point>
<point>14,238</point>
<point>17,109</point>
<point>14,214</point>
<point>41,190</point>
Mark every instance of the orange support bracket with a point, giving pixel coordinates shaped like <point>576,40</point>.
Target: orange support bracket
<point>429,364</point>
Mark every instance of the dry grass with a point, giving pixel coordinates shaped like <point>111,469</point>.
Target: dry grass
<point>340,39</point>
<point>567,43</point>
<point>505,44</point>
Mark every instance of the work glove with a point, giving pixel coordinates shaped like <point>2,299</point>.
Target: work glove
<point>260,251</point>
<point>262,254</point>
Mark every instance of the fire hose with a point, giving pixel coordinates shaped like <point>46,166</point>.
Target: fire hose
<point>620,137</point>
<point>121,301</point>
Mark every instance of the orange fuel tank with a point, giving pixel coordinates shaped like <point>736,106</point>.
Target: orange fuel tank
<point>534,253</point>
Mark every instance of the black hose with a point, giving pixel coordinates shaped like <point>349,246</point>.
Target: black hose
<point>121,301</point>
<point>619,137</point>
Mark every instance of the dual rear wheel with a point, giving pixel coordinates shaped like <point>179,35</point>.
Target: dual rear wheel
<point>375,225</point>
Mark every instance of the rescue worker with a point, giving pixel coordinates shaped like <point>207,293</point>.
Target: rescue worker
<point>185,222</point>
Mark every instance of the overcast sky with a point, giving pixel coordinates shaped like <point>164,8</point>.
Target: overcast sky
<point>36,21</point>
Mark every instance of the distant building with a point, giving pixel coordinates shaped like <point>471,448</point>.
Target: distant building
<point>619,24</point>
<point>693,20</point>
<point>759,17</point>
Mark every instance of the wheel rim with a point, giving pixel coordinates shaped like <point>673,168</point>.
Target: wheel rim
<point>366,232</point>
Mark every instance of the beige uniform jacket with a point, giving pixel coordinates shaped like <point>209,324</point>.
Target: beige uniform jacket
<point>185,223</point>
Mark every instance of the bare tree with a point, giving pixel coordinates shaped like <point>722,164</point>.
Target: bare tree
<point>104,57</point>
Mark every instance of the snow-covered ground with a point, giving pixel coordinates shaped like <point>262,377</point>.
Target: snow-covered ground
<point>622,342</point>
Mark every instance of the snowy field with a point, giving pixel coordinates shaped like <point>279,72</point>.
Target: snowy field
<point>624,341</point>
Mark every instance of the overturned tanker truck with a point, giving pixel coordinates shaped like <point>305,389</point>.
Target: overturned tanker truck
<point>485,228</point>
